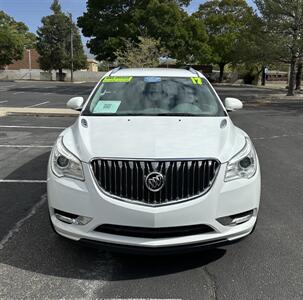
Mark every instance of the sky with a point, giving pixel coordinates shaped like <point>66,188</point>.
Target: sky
<point>31,11</point>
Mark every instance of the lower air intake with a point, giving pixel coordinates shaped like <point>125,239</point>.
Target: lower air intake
<point>153,233</point>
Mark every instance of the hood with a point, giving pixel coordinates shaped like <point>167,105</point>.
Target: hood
<point>154,138</point>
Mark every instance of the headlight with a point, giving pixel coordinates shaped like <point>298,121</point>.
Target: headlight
<point>64,163</point>
<point>243,164</point>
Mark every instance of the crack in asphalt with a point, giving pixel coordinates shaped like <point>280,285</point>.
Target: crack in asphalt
<point>95,277</point>
<point>212,279</point>
<point>19,224</point>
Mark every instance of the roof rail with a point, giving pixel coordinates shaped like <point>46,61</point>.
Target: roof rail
<point>115,70</point>
<point>190,69</point>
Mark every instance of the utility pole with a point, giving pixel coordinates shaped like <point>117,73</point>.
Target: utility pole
<point>29,63</point>
<point>71,49</point>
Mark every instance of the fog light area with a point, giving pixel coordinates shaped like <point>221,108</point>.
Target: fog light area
<point>71,218</point>
<point>237,219</point>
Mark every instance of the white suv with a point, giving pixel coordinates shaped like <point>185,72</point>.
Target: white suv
<point>153,163</point>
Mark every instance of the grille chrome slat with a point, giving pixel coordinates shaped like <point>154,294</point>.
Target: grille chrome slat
<point>131,165</point>
<point>142,166</point>
<point>147,172</point>
<point>166,185</point>
<point>188,178</point>
<point>203,177</point>
<point>183,179</point>
<point>172,180</point>
<point>110,176</point>
<point>183,176</point>
<point>115,177</point>
<point>136,171</point>
<point>194,176</point>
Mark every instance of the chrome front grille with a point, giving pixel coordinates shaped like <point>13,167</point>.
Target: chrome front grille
<point>182,179</point>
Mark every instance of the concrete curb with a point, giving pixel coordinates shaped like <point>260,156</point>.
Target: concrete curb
<point>47,112</point>
<point>44,81</point>
<point>268,101</point>
<point>51,81</point>
<point>251,86</point>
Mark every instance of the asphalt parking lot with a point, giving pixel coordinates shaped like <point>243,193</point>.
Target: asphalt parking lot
<point>35,263</point>
<point>41,94</point>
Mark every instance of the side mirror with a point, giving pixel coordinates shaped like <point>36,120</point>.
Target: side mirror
<point>75,103</point>
<point>232,104</point>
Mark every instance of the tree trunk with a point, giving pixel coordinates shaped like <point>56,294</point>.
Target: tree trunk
<point>291,84</point>
<point>299,76</point>
<point>263,80</point>
<point>221,66</point>
<point>60,75</point>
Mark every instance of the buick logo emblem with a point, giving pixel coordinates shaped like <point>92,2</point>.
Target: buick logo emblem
<point>154,181</point>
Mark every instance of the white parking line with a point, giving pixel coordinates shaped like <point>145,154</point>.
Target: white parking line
<point>3,101</point>
<point>25,146</point>
<point>6,86</point>
<point>278,136</point>
<point>21,181</point>
<point>30,127</point>
<point>16,93</point>
<point>28,86</point>
<point>38,104</point>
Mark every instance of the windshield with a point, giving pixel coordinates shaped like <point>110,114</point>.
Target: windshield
<point>145,96</point>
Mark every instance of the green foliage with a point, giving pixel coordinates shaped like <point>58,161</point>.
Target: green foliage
<point>284,22</point>
<point>31,40</point>
<point>256,49</point>
<point>14,37</point>
<point>257,45</point>
<point>110,23</point>
<point>225,21</point>
<point>54,42</point>
<point>56,7</point>
<point>144,54</point>
<point>183,2</point>
<point>249,72</point>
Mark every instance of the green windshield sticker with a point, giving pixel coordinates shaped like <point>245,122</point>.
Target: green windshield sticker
<point>106,107</point>
<point>196,80</point>
<point>118,79</point>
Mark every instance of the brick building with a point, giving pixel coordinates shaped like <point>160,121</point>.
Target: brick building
<point>33,56</point>
<point>24,63</point>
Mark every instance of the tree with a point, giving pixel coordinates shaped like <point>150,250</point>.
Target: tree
<point>257,48</point>
<point>54,42</point>
<point>284,20</point>
<point>144,54</point>
<point>110,23</point>
<point>299,75</point>
<point>225,21</point>
<point>14,37</point>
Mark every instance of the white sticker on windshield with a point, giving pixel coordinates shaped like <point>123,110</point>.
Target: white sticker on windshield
<point>107,107</point>
<point>151,79</point>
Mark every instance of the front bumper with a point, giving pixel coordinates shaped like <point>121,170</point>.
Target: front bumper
<point>86,199</point>
<point>128,249</point>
